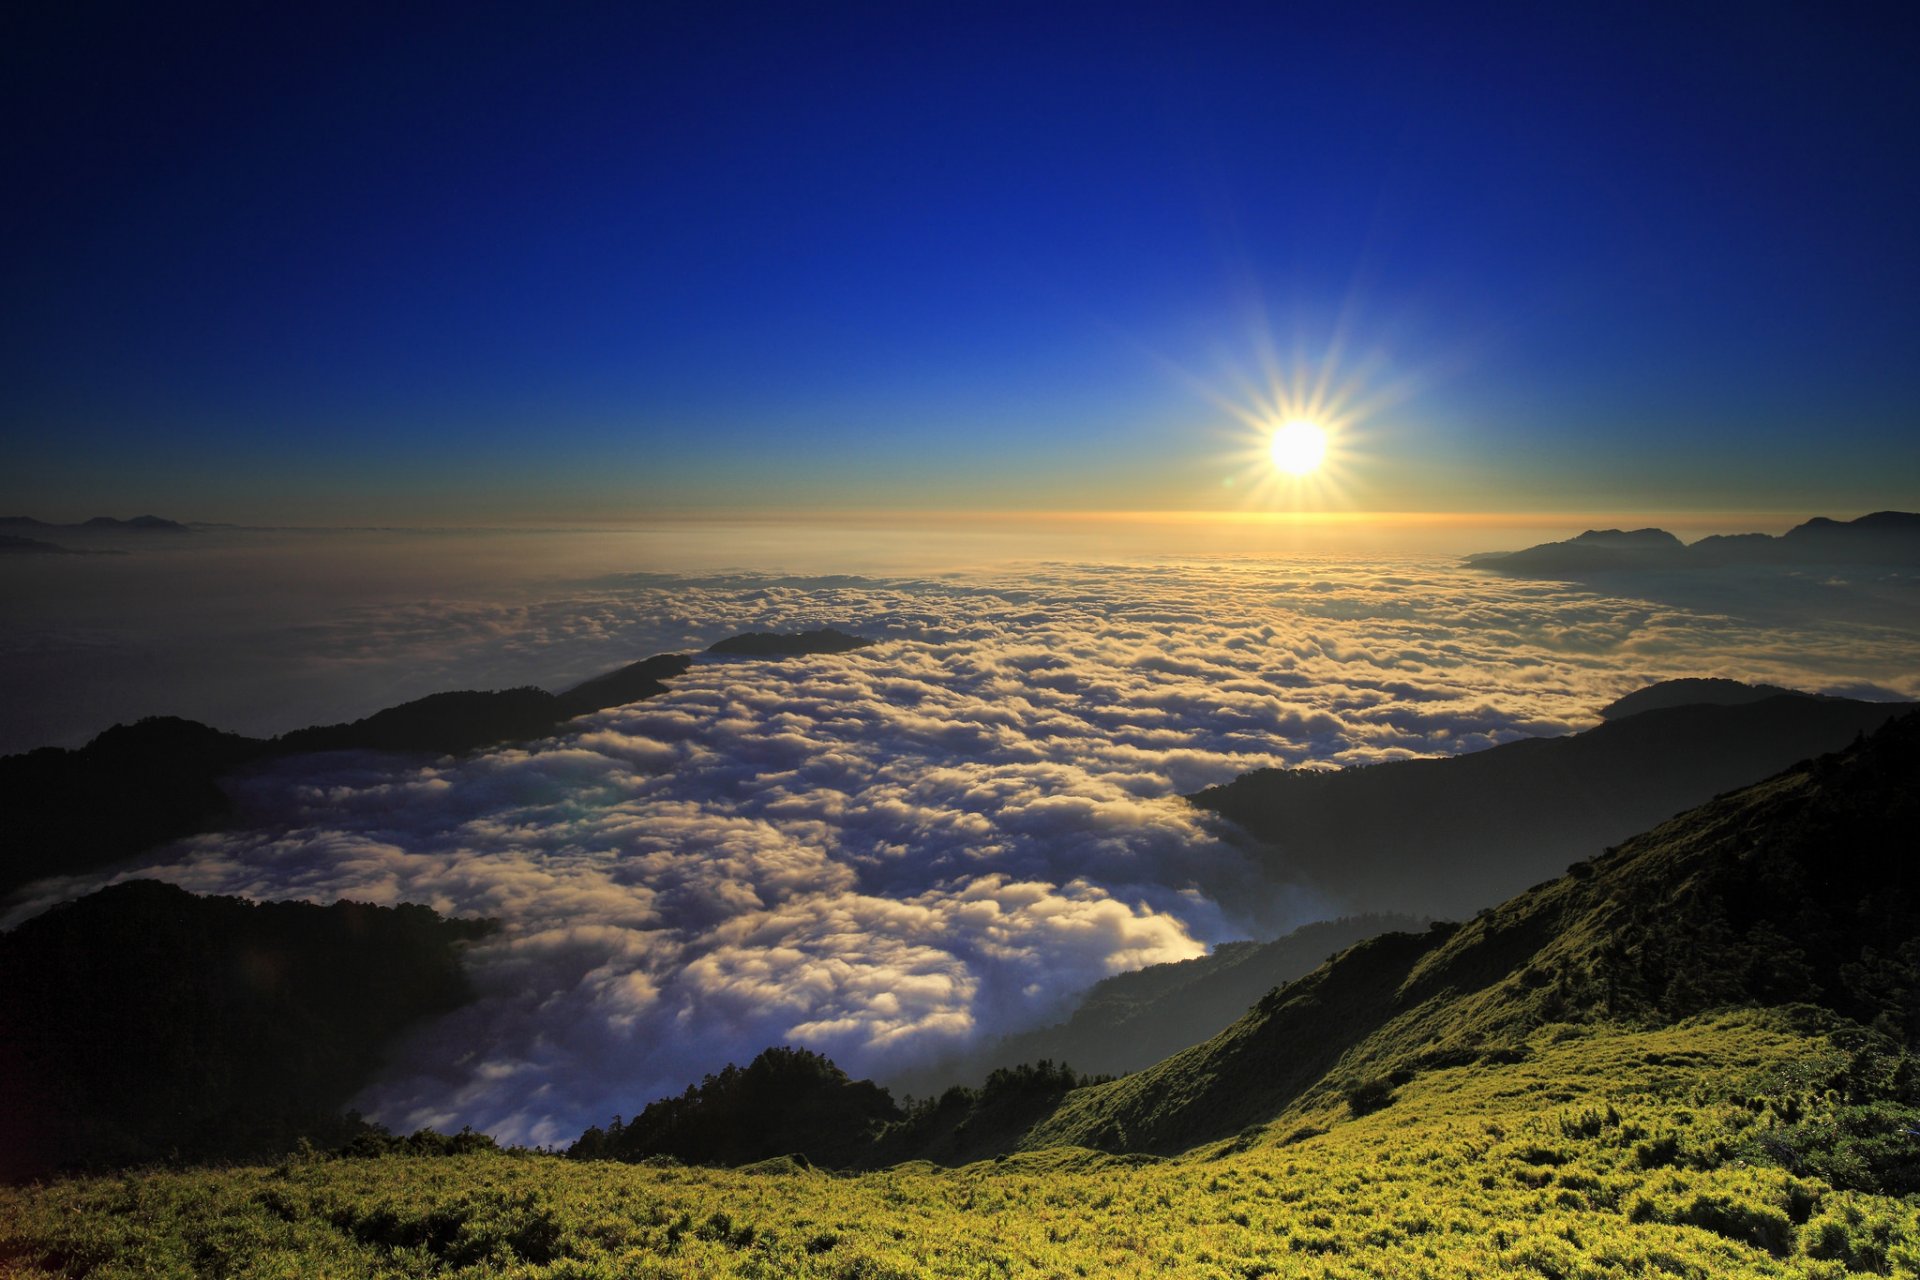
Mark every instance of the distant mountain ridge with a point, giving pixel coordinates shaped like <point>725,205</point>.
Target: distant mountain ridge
<point>1446,837</point>
<point>771,644</point>
<point>100,524</point>
<point>134,786</point>
<point>1883,537</point>
<point>13,544</point>
<point>1695,692</point>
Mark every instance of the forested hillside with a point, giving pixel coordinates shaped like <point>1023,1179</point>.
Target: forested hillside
<point>143,1024</point>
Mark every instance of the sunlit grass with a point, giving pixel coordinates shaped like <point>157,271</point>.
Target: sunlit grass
<point>1605,1153</point>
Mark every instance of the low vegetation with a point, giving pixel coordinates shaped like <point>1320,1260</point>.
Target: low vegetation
<point>1605,1152</point>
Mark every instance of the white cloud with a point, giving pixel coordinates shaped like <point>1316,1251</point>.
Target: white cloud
<point>892,853</point>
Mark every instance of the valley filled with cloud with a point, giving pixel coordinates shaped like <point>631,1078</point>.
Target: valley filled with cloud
<point>901,852</point>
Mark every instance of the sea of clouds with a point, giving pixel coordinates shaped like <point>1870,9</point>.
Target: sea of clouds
<point>896,853</point>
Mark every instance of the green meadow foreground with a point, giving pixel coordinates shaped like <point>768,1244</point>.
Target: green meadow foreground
<point>1604,1153</point>
<point>1691,1055</point>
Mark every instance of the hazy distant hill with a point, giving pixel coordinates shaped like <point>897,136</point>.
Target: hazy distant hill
<point>99,524</point>
<point>11,544</point>
<point>1685,693</point>
<point>770,644</point>
<point>1447,837</point>
<point>1132,1020</point>
<point>1884,537</point>
<point>143,1023</point>
<point>1799,888</point>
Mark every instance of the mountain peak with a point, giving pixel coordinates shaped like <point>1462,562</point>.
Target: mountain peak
<point>776,644</point>
<point>1629,538</point>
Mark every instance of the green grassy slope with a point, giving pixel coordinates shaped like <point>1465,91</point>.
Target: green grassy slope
<point>1798,888</point>
<point>1607,1153</point>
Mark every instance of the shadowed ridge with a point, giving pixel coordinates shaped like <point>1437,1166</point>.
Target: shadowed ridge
<point>1695,692</point>
<point>458,722</point>
<point>130,788</point>
<point>1452,835</point>
<point>1595,551</point>
<point>1132,1020</point>
<point>143,1023</point>
<point>634,683</point>
<point>441,723</point>
<point>1796,889</point>
<point>773,644</point>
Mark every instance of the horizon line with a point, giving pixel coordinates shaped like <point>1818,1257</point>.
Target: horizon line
<point>1590,518</point>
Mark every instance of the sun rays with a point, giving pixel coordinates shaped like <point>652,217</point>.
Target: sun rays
<point>1303,430</point>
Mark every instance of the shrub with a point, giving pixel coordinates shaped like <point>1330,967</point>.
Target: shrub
<point>1368,1095</point>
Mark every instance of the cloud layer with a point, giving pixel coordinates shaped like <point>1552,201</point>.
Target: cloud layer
<point>890,854</point>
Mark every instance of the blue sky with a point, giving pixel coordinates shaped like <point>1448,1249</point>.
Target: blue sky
<point>493,262</point>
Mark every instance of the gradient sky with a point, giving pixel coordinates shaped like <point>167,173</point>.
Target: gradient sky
<point>554,262</point>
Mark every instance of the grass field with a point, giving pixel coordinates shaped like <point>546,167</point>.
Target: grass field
<point>1604,1153</point>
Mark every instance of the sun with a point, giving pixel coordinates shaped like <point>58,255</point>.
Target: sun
<point>1298,446</point>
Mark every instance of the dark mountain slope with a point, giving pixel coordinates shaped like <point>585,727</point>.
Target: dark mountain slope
<point>467,720</point>
<point>1800,888</point>
<point>142,1023</point>
<point>771,644</point>
<point>129,789</point>
<point>1695,692</point>
<point>441,723</point>
<point>635,682</point>
<point>1447,837</point>
<point>1133,1020</point>
<point>137,785</point>
<point>1595,551</point>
